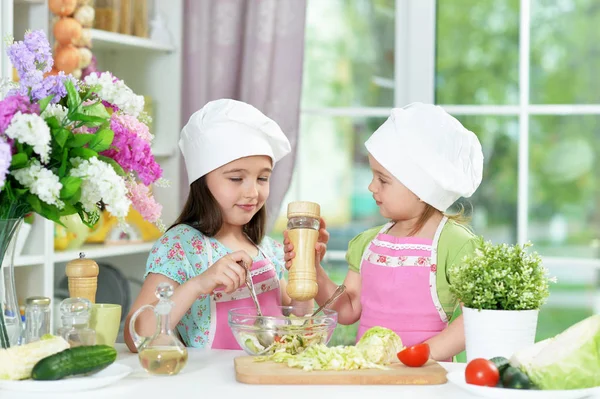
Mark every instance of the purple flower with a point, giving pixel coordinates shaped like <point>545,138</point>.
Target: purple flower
<point>21,58</point>
<point>53,84</point>
<point>13,104</point>
<point>5,158</point>
<point>37,43</point>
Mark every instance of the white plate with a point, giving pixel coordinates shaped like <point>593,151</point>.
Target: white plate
<point>109,375</point>
<point>458,378</point>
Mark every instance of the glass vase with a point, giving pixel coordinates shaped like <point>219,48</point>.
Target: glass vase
<point>10,316</point>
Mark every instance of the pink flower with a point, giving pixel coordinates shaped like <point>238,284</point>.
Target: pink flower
<point>382,259</point>
<point>263,287</point>
<point>13,104</point>
<point>131,152</point>
<point>197,244</point>
<point>164,240</point>
<point>434,268</point>
<point>422,261</point>
<point>143,201</point>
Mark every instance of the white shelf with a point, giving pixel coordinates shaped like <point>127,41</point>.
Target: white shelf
<point>97,251</point>
<point>105,40</point>
<point>29,260</point>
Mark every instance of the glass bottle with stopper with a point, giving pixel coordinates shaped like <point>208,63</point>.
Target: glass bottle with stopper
<point>160,353</point>
<point>37,318</point>
<point>75,317</point>
<point>303,231</point>
<point>82,275</point>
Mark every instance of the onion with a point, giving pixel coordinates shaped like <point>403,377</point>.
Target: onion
<point>62,8</point>
<point>67,58</point>
<point>85,16</point>
<point>85,40</point>
<point>85,57</point>
<point>67,30</point>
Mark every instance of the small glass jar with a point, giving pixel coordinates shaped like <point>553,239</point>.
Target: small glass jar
<point>75,317</point>
<point>37,318</point>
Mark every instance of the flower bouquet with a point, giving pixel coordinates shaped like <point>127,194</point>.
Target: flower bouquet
<point>69,147</point>
<point>501,288</point>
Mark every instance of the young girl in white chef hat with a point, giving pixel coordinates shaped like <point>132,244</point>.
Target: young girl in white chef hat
<point>422,160</point>
<point>230,149</point>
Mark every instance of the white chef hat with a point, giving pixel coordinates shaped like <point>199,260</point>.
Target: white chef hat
<point>430,152</point>
<point>225,130</point>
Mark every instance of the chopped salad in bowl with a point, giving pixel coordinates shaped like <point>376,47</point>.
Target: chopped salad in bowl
<point>281,329</point>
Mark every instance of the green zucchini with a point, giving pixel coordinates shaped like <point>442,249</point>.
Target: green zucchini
<point>74,361</point>
<point>501,364</point>
<point>515,379</point>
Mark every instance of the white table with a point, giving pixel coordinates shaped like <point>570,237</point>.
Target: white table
<point>211,374</point>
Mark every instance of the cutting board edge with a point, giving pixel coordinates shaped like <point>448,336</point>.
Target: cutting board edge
<point>312,378</point>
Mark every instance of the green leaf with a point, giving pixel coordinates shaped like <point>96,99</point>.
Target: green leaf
<point>96,109</point>
<point>51,212</point>
<point>43,103</point>
<point>68,209</point>
<point>63,164</point>
<point>83,152</point>
<point>89,120</point>
<point>35,203</point>
<point>53,122</point>
<point>79,140</point>
<point>102,140</point>
<point>61,136</point>
<point>70,186</point>
<point>73,99</point>
<point>19,161</point>
<point>113,163</point>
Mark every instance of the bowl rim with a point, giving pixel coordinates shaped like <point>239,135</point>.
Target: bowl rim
<point>324,314</point>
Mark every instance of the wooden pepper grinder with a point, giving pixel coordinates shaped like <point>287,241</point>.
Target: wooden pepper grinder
<point>83,278</point>
<point>303,231</point>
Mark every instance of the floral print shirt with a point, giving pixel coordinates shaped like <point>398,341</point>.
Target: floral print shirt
<point>180,255</point>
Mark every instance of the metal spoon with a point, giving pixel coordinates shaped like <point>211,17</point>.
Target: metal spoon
<point>265,338</point>
<point>336,294</point>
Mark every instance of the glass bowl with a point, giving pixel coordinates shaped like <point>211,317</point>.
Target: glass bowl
<point>292,333</point>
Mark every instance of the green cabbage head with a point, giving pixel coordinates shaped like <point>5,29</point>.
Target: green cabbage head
<point>570,360</point>
<point>380,345</point>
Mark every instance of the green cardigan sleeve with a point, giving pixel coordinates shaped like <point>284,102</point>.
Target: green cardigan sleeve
<point>456,241</point>
<point>357,246</point>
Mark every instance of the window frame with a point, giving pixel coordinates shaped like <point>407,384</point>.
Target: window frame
<point>415,32</point>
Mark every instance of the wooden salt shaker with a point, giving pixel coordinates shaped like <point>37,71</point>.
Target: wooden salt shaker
<point>82,275</point>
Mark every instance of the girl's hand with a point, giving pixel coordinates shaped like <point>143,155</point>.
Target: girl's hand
<point>320,247</point>
<point>228,272</point>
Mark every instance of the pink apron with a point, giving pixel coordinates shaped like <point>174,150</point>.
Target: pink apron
<point>399,287</point>
<point>266,284</point>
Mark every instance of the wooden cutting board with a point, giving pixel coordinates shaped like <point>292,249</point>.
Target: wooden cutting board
<point>270,373</point>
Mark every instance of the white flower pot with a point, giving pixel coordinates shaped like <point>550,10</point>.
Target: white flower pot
<point>491,333</point>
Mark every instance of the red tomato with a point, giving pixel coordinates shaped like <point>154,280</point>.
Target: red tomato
<point>414,356</point>
<point>482,372</point>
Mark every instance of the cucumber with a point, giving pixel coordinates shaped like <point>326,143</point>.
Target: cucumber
<point>74,361</point>
<point>515,379</point>
<point>501,363</point>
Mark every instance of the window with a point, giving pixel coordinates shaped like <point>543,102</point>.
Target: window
<point>521,74</point>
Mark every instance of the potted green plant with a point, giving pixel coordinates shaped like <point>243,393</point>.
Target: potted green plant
<point>501,288</point>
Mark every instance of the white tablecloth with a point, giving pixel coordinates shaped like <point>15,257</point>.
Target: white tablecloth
<point>211,374</point>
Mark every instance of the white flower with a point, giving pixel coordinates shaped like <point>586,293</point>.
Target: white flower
<point>41,182</point>
<point>101,182</point>
<point>31,129</point>
<point>116,92</point>
<point>56,110</point>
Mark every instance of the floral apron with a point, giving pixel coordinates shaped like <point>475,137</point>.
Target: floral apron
<point>266,282</point>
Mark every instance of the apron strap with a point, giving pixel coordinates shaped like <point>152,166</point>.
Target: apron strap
<point>433,272</point>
